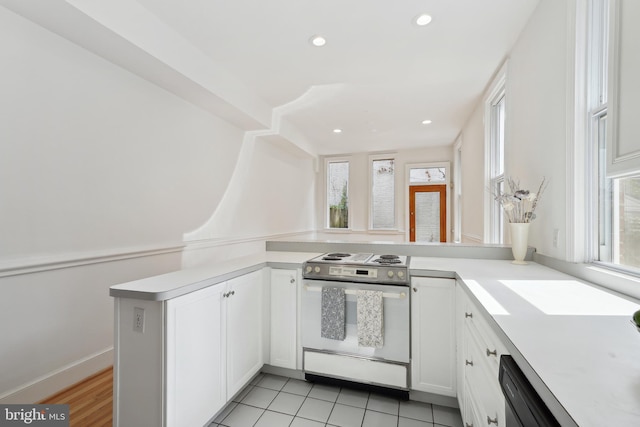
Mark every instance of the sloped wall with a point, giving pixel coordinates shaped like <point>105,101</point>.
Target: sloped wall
<point>102,175</point>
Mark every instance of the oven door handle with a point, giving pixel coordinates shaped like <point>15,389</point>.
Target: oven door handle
<point>396,295</point>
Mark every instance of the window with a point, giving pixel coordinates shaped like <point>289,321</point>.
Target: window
<point>615,220</point>
<point>383,205</point>
<point>337,194</point>
<point>495,109</point>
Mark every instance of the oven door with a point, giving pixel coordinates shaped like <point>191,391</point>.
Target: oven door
<point>396,330</point>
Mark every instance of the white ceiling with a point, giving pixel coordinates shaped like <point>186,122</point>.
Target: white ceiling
<point>377,78</point>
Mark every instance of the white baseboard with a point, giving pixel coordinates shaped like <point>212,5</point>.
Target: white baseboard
<point>49,384</point>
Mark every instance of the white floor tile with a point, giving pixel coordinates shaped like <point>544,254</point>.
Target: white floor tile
<point>353,398</point>
<point>274,382</point>
<point>286,403</point>
<point>302,422</point>
<point>384,404</point>
<point>346,416</point>
<point>408,422</point>
<point>242,416</point>
<point>379,419</point>
<point>274,419</point>
<point>315,409</point>
<point>260,397</point>
<point>324,392</point>
<point>447,416</point>
<point>416,410</point>
<point>297,387</point>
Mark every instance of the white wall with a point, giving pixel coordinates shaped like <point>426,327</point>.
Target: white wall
<point>536,138</point>
<point>103,176</point>
<point>536,128</point>
<point>359,192</point>
<point>473,177</point>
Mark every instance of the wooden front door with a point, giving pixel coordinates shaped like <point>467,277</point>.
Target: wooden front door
<point>428,213</point>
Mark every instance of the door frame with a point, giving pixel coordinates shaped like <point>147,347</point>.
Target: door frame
<point>407,184</point>
<point>434,188</point>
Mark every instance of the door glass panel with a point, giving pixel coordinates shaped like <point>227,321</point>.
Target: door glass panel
<point>427,213</point>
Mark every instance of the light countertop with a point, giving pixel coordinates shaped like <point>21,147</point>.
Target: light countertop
<point>573,340</point>
<point>577,337</point>
<point>174,284</point>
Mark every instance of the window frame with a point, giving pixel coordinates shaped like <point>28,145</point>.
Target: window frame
<point>601,109</point>
<point>372,158</point>
<point>494,163</point>
<point>327,162</point>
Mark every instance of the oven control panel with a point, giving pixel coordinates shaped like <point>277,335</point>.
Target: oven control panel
<point>348,271</point>
<point>356,273</point>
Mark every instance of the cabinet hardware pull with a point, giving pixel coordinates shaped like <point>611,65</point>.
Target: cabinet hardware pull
<point>292,280</point>
<point>415,289</point>
<point>233,292</point>
<point>468,315</point>
<point>492,421</point>
<point>468,425</point>
<point>225,295</point>
<point>467,362</point>
<point>492,353</point>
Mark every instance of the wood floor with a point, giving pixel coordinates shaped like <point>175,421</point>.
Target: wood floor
<point>90,401</point>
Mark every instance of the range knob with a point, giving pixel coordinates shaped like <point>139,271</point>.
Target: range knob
<point>401,274</point>
<point>317,269</point>
<point>390,273</point>
<point>308,269</point>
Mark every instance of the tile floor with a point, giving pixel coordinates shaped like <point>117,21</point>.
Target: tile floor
<point>274,401</point>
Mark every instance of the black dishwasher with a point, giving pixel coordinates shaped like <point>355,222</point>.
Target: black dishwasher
<point>524,406</point>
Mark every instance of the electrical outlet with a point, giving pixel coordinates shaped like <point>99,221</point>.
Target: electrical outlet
<point>556,236</point>
<point>138,319</point>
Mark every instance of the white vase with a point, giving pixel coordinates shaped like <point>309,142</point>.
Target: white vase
<point>519,240</point>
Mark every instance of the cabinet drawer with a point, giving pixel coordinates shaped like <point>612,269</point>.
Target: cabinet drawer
<point>491,347</point>
<point>482,383</point>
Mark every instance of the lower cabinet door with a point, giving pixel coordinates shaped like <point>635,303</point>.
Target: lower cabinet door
<point>433,332</point>
<point>283,334</point>
<point>195,357</point>
<point>244,330</point>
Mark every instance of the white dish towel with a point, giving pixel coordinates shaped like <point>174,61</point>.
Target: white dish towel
<point>370,319</point>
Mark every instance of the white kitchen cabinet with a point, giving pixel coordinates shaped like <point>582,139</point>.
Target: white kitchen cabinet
<point>192,354</point>
<point>244,330</point>
<point>482,402</point>
<point>433,332</point>
<point>195,356</point>
<point>284,333</point>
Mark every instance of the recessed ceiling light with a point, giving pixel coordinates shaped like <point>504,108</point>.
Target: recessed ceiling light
<point>318,41</point>
<point>426,122</point>
<point>337,130</point>
<point>422,20</point>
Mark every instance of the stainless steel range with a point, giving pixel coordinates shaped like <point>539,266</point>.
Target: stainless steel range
<point>355,319</point>
<point>366,268</point>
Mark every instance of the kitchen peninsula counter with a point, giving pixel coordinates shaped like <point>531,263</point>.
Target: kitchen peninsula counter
<point>573,340</point>
<point>181,282</point>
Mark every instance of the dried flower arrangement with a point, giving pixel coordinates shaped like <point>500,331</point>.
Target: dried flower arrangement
<point>519,205</point>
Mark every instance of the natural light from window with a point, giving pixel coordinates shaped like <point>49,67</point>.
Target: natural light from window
<point>489,302</point>
<point>570,298</point>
